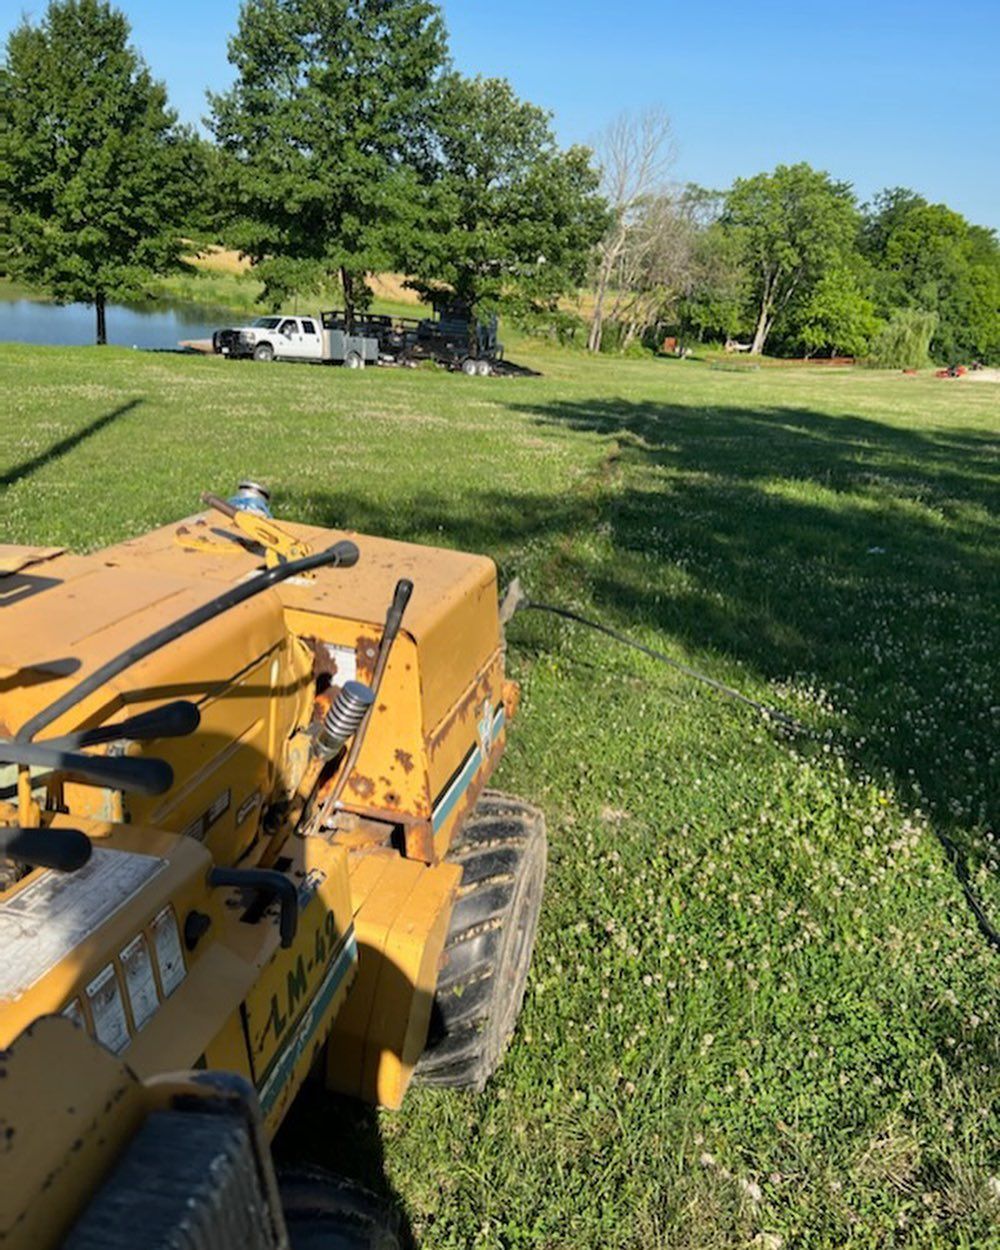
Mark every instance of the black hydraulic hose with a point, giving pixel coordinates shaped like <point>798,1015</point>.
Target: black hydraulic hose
<point>521,603</point>
<point>770,713</point>
<point>343,554</point>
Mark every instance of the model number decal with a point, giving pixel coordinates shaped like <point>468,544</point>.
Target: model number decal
<point>249,804</point>
<point>285,1006</point>
<point>198,828</point>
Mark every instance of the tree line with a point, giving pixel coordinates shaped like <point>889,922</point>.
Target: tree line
<point>349,145</point>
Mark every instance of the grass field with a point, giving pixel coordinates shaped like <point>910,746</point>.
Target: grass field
<point>220,279</point>
<point>761,1011</point>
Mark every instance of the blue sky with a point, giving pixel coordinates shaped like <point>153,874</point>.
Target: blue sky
<point>880,94</point>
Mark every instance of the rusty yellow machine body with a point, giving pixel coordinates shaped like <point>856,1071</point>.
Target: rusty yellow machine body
<point>78,1123</point>
<point>170,946</point>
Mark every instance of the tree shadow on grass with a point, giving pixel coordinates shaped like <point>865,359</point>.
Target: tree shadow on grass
<point>855,555</point>
<point>829,552</point>
<point>65,445</point>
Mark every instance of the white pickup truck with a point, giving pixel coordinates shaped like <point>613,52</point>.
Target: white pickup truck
<point>295,338</point>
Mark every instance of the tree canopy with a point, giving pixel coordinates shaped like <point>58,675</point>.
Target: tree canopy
<point>505,216</point>
<point>347,146</point>
<point>326,129</point>
<point>926,256</point>
<point>792,226</point>
<point>96,177</point>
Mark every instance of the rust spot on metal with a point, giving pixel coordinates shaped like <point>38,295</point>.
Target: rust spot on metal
<point>418,838</point>
<point>362,786</point>
<point>391,798</point>
<point>321,704</point>
<point>405,759</point>
<point>366,651</point>
<point>324,664</point>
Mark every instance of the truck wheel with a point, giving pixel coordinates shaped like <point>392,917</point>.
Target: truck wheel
<point>470,367</point>
<point>353,360</point>
<point>263,351</point>
<point>502,850</point>
<point>327,1212</point>
<point>483,368</point>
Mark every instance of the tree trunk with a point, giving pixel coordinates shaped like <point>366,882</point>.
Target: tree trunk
<point>597,320</point>
<point>102,326</point>
<point>347,285</point>
<point>760,334</point>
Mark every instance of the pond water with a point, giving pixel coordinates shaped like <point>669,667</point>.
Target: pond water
<point>159,323</point>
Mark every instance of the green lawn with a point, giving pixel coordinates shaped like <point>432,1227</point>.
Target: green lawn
<point>760,1007</point>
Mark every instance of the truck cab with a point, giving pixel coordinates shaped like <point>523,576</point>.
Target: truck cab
<point>281,337</point>
<point>272,338</point>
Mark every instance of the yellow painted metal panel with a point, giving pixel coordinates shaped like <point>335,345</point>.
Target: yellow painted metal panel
<point>67,1108</point>
<point>290,1006</point>
<point>401,926</point>
<point>79,950</point>
<point>13,558</point>
<point>372,922</point>
<point>401,1009</point>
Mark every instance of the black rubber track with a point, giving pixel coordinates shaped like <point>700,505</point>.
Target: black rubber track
<point>328,1212</point>
<point>188,1180</point>
<point>502,851</point>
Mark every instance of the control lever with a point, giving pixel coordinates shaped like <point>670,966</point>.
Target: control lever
<point>172,720</point>
<point>270,883</point>
<point>343,554</point>
<point>134,776</point>
<point>278,544</point>
<point>65,850</point>
<point>393,620</point>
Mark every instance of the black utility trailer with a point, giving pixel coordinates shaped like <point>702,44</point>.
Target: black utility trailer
<point>454,337</point>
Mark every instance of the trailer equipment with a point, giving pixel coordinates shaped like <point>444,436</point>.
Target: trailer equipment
<point>454,337</point>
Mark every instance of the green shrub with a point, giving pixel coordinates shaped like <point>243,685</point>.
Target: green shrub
<point>557,324</point>
<point>904,341</point>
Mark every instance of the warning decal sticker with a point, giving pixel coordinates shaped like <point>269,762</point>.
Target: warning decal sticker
<point>139,983</point>
<point>106,1007</point>
<point>73,1011</point>
<point>49,918</point>
<point>168,951</point>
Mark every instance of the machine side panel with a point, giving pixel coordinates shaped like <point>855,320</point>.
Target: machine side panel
<point>67,1108</point>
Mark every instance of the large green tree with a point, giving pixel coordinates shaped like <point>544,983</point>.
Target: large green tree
<point>926,256</point>
<point>506,216</point>
<point>717,302</point>
<point>96,178</point>
<point>792,226</point>
<point>326,128</point>
<point>836,316</point>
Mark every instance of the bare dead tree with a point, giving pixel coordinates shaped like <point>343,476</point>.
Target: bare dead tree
<point>657,266</point>
<point>635,153</point>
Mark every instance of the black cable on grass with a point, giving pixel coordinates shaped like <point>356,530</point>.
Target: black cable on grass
<point>769,713</point>
<point>962,874</point>
<point>517,602</point>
